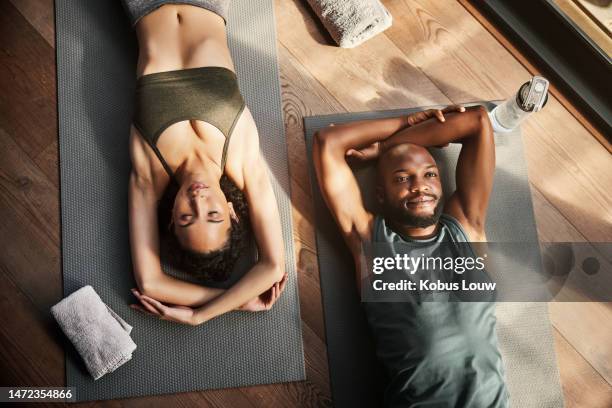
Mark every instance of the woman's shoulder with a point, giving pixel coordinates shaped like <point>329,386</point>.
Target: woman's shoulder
<point>143,174</point>
<point>243,153</point>
<point>246,174</point>
<point>140,160</point>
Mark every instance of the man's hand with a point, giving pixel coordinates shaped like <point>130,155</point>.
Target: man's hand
<point>173,313</point>
<point>374,150</point>
<point>370,152</point>
<point>266,299</point>
<point>422,116</point>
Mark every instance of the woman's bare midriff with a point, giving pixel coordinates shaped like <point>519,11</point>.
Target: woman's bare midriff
<point>180,36</point>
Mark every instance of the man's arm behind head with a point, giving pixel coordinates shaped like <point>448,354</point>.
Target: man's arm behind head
<point>475,167</point>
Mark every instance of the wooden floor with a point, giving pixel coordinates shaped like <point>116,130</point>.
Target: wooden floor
<point>599,11</point>
<point>435,53</point>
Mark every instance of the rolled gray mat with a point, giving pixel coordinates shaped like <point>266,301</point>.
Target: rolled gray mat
<point>523,329</point>
<point>351,22</point>
<point>96,66</point>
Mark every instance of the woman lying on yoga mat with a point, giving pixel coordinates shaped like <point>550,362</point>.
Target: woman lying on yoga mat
<point>194,145</point>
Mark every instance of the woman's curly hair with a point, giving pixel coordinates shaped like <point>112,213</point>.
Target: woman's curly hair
<point>214,265</point>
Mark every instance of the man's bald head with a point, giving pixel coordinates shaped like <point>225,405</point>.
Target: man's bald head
<point>399,154</point>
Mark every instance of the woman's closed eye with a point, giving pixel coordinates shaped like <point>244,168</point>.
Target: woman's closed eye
<point>214,216</point>
<point>185,220</point>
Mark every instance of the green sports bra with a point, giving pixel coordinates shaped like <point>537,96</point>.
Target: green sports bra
<point>210,94</point>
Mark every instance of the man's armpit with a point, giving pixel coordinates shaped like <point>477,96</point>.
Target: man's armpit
<point>360,235</point>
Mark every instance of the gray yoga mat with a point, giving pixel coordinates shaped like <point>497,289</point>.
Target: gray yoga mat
<point>96,61</point>
<point>523,329</point>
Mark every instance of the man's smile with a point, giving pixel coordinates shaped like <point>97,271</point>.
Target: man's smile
<point>421,201</point>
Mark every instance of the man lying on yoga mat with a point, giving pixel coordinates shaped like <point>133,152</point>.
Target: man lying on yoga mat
<point>195,158</point>
<point>433,352</point>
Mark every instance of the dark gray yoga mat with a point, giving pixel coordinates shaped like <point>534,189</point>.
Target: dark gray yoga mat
<point>523,329</point>
<point>96,57</point>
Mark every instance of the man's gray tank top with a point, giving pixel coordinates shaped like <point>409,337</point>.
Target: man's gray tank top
<point>436,353</point>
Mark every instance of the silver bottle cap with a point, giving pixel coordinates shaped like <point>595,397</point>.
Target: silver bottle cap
<point>533,95</point>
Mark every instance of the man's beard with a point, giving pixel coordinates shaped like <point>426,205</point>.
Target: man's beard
<point>401,215</point>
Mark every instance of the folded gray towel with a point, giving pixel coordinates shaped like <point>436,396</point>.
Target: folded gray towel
<point>101,337</point>
<point>351,22</point>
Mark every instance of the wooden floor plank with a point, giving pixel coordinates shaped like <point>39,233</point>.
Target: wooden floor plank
<point>23,183</point>
<point>582,385</point>
<point>31,350</point>
<point>552,226</point>
<point>317,375</point>
<point>208,399</point>
<point>48,163</point>
<point>29,230</point>
<point>574,320</point>
<point>27,80</point>
<point>587,327</point>
<point>39,14</point>
<point>567,166</point>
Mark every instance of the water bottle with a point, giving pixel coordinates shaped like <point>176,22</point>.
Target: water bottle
<point>531,97</point>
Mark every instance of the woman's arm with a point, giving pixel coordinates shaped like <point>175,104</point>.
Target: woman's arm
<point>266,226</point>
<point>144,238</point>
<point>144,243</point>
